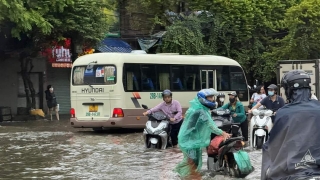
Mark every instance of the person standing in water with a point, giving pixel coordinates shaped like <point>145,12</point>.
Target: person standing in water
<point>195,133</point>
<point>51,102</point>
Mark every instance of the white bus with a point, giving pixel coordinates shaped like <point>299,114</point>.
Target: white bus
<point>108,89</point>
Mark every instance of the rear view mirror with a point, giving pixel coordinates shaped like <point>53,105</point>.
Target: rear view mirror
<point>257,82</point>
<point>144,106</point>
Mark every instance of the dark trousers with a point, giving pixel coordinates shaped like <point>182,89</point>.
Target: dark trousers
<point>174,132</point>
<point>244,129</point>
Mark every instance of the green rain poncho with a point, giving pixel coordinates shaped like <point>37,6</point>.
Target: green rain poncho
<point>194,135</point>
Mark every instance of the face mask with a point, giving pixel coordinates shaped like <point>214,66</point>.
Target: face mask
<point>270,93</point>
<point>222,99</point>
<point>51,89</point>
<point>232,100</point>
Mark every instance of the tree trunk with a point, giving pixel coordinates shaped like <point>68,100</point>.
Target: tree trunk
<point>26,66</point>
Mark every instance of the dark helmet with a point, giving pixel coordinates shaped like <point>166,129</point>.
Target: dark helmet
<point>221,95</point>
<point>295,79</point>
<point>166,92</point>
<point>272,86</point>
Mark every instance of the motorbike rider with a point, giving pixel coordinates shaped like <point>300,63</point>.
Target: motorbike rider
<point>195,133</point>
<point>220,99</point>
<point>258,95</point>
<point>168,107</point>
<point>293,148</point>
<point>238,114</point>
<point>272,101</point>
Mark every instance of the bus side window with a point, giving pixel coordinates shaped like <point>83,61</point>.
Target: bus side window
<point>192,80</point>
<point>131,77</point>
<point>149,80</point>
<point>178,75</point>
<point>163,73</point>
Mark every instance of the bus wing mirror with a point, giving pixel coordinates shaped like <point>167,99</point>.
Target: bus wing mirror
<point>144,106</point>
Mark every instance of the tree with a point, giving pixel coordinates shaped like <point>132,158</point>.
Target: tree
<point>43,22</point>
<point>185,37</point>
<point>241,30</point>
<point>302,41</point>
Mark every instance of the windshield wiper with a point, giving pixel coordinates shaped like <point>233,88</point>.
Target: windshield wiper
<point>89,84</point>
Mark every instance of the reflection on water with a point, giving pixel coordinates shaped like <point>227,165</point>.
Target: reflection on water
<point>41,150</point>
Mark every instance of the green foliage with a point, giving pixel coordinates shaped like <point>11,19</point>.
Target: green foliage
<point>302,41</point>
<point>46,20</point>
<point>185,37</point>
<point>243,30</point>
<point>255,33</point>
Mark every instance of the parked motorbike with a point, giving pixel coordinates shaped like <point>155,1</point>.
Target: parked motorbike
<point>260,126</point>
<point>225,159</point>
<point>156,133</point>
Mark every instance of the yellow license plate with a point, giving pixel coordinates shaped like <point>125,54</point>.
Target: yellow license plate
<point>93,108</point>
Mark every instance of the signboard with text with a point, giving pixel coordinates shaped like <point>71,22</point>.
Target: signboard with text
<point>60,55</point>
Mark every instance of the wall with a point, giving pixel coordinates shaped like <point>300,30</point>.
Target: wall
<point>9,81</point>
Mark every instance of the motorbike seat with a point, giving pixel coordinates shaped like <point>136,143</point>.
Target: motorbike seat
<point>228,141</point>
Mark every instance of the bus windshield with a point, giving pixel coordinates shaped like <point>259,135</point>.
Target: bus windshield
<point>97,75</point>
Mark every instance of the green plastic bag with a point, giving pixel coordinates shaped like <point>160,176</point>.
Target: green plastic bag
<point>243,161</point>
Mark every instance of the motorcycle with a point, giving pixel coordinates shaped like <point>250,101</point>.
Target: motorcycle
<point>227,155</point>
<point>156,133</point>
<point>260,125</point>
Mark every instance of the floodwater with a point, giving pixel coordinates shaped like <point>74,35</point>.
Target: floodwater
<point>53,150</point>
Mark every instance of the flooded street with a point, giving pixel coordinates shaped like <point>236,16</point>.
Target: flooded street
<point>54,150</point>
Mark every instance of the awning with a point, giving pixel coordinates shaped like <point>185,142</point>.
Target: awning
<point>147,43</point>
<point>114,45</point>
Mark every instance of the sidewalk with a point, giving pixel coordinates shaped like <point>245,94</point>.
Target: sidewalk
<point>33,118</point>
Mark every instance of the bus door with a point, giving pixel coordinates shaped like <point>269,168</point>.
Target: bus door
<point>208,79</point>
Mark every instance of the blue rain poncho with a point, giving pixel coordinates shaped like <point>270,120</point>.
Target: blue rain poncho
<point>194,135</point>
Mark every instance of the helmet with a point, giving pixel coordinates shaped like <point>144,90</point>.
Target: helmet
<point>221,95</point>
<point>295,79</point>
<point>202,94</point>
<point>273,86</point>
<point>166,92</point>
